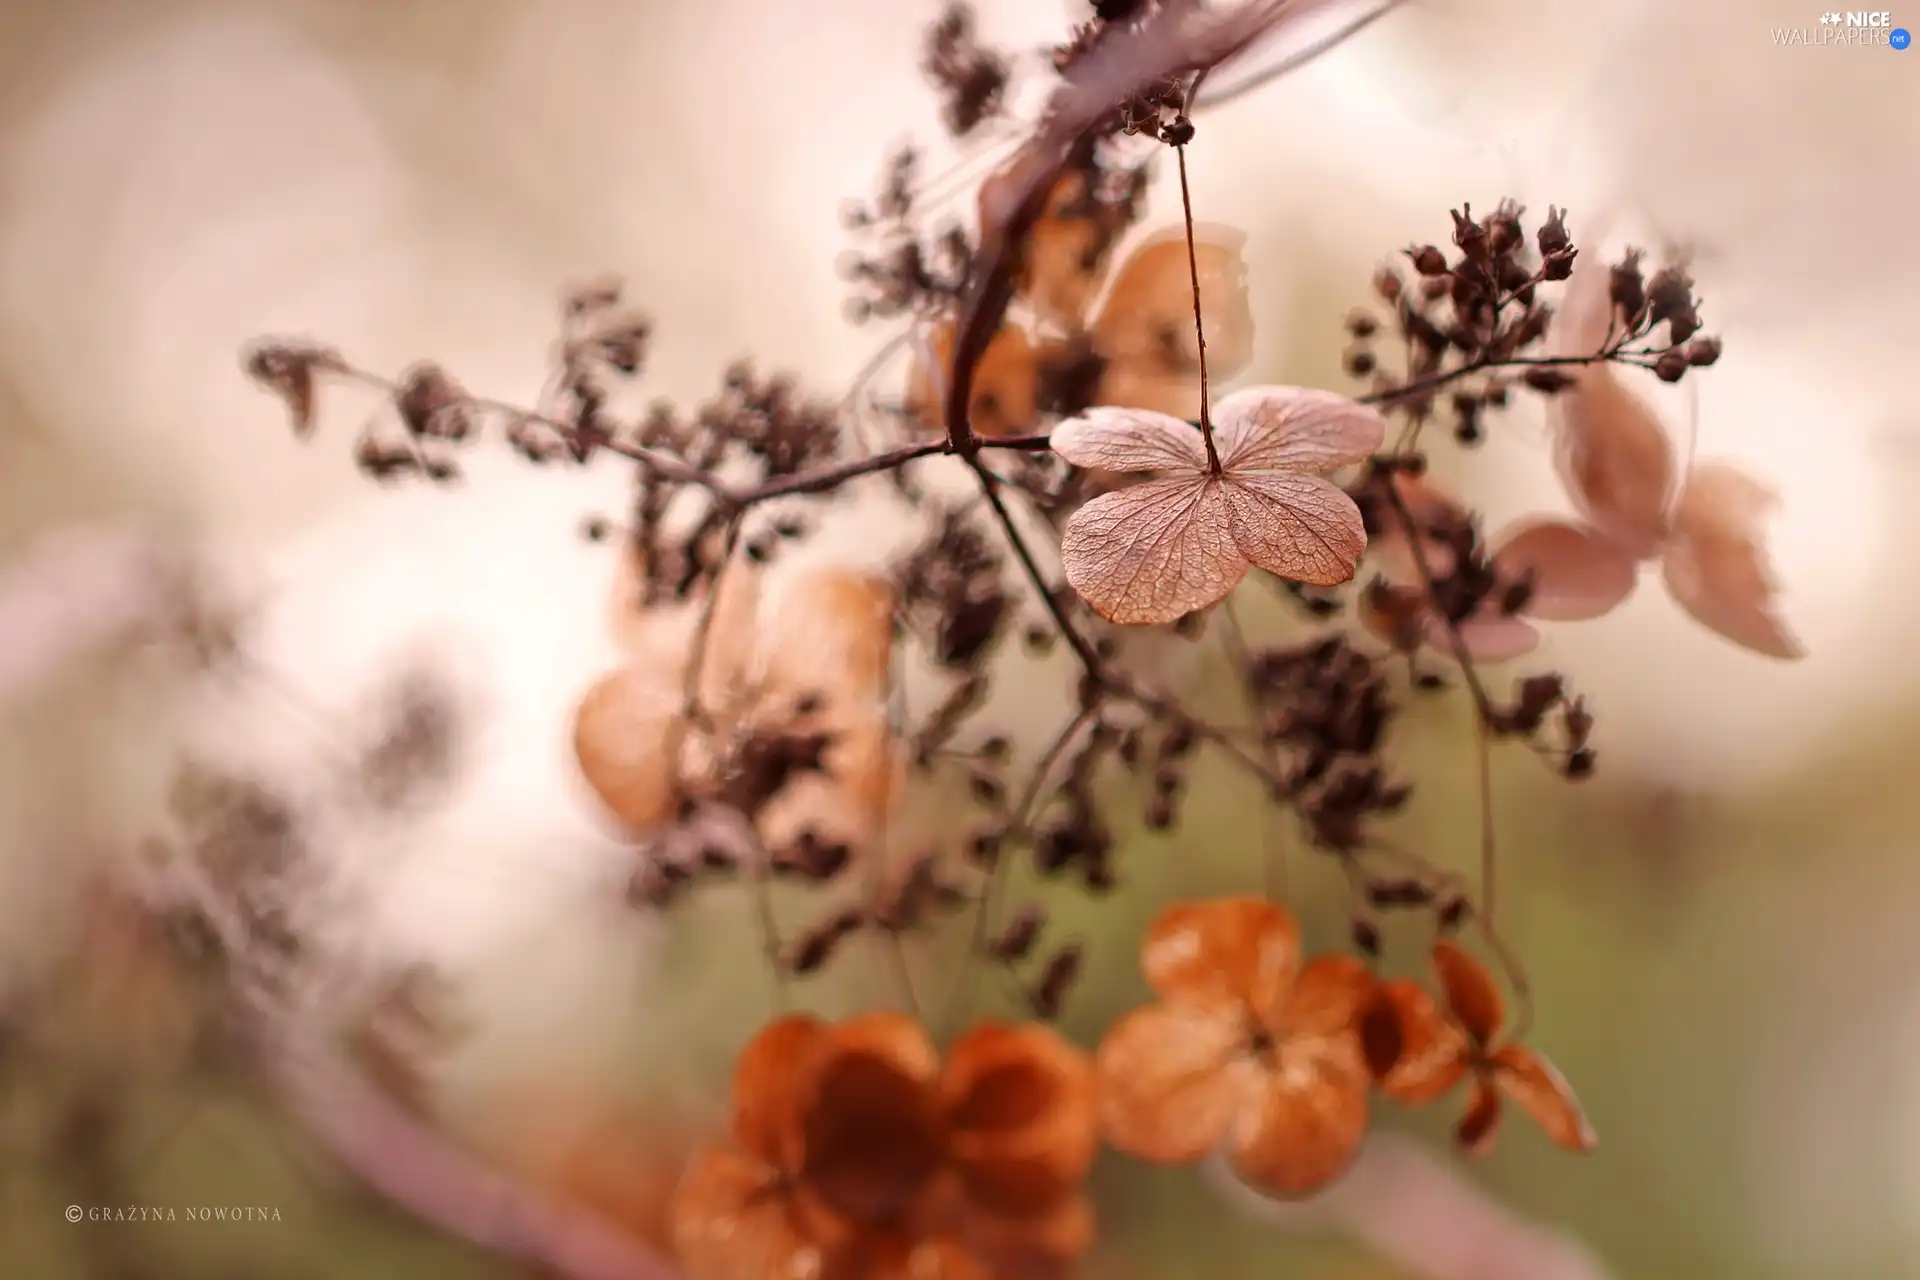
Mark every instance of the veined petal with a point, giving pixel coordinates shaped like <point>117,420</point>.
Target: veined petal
<point>1294,429</point>
<point>1298,527</point>
<point>732,1219</point>
<point>1154,552</point>
<point>1716,562</point>
<point>1020,1114</point>
<point>1576,572</point>
<point>1105,438</point>
<point>1470,991</point>
<point>1431,1051</point>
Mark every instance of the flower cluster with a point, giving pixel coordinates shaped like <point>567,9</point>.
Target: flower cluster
<point>1057,360</point>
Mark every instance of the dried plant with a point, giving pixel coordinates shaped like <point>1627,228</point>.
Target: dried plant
<point>1073,397</point>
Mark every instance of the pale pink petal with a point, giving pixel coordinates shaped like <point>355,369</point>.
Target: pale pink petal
<point>1576,573</point>
<point>1488,637</point>
<point>1297,527</point>
<point>1615,460</point>
<point>1154,552</point>
<point>1110,439</point>
<point>1391,545</point>
<point>1717,565</point>
<point>1294,429</point>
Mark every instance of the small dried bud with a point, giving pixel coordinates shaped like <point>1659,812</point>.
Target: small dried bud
<point>1016,941</point>
<point>1702,352</point>
<point>1672,365</point>
<point>1503,229</point>
<point>1062,971</point>
<point>1469,236</point>
<point>1386,283</point>
<point>1361,324</point>
<point>1580,764</point>
<point>1453,914</point>
<point>1366,938</point>
<point>1428,260</point>
<point>1547,380</point>
<point>1627,286</point>
<point>1552,236</point>
<point>1359,362</point>
<point>1559,266</point>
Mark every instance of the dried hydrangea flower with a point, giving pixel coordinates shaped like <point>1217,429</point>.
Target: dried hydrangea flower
<point>1182,539</point>
<point>1438,1048</point>
<point>1248,1046</point>
<point>855,1154</point>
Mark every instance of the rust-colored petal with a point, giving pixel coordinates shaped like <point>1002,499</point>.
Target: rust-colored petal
<point>732,1219</point>
<point>1328,999</point>
<point>1532,1082</point>
<point>1717,566</point>
<point>1481,1123</point>
<point>1246,950</point>
<point>1005,382</point>
<point>1171,1080</point>
<point>1020,1114</point>
<point>831,633</point>
<point>872,1124</point>
<point>1470,991</point>
<point>621,740</point>
<point>1576,572</point>
<point>1430,1051</point>
<point>771,1080</point>
<point>1146,320</point>
<point>1304,1124</point>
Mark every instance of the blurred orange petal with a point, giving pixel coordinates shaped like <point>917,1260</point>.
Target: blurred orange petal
<point>1065,256</point>
<point>1328,999</point>
<point>1531,1081</point>
<point>1020,1113</point>
<point>1130,387</point>
<point>1305,1121</point>
<point>1431,1052</point>
<point>1170,1081</point>
<point>1242,949</point>
<point>1481,1123</point>
<point>872,1127</point>
<point>1717,566</point>
<point>1576,572</point>
<point>732,1219</point>
<point>620,738</point>
<point>770,1079</point>
<point>1005,382</point>
<point>1146,321</point>
<point>1470,991</point>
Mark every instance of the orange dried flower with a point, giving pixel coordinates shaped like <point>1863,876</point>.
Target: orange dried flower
<point>1437,1048</point>
<point>1137,345</point>
<point>817,662</point>
<point>855,1154</point>
<point>1247,1046</point>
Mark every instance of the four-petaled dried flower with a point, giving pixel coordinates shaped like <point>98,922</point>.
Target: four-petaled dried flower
<point>1248,1047</point>
<point>1181,540</point>
<point>1438,1048</point>
<point>855,1154</point>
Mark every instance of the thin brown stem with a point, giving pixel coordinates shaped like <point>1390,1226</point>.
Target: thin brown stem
<point>1199,324</point>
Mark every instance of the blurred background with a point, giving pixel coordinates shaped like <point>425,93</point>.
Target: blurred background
<point>1718,929</point>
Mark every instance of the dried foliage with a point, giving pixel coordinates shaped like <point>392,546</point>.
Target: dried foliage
<point>1058,358</point>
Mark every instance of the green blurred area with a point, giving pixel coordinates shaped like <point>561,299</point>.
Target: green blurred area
<point>1701,969</point>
